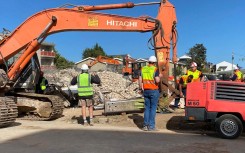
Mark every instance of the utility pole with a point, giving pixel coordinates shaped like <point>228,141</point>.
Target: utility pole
<point>232,59</point>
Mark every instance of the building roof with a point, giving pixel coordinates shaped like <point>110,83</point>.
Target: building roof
<point>85,59</point>
<point>119,59</point>
<point>225,66</point>
<point>142,59</point>
<point>118,56</point>
<point>185,57</point>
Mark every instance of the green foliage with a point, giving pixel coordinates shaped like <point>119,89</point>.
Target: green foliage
<point>206,70</point>
<point>178,71</point>
<point>198,55</point>
<point>60,62</point>
<point>93,52</point>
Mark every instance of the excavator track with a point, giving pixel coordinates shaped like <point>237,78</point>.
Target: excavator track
<point>8,111</point>
<point>56,106</point>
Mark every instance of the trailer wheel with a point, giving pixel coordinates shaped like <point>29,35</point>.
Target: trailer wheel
<point>229,126</point>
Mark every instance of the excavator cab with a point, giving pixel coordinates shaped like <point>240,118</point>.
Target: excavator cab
<point>136,67</point>
<point>28,78</point>
<point>31,105</point>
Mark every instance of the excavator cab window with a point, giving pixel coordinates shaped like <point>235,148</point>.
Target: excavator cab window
<point>136,67</point>
<point>124,61</point>
<point>126,73</point>
<point>29,76</point>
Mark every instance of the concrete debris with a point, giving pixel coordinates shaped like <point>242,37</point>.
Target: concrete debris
<point>61,77</point>
<point>113,85</point>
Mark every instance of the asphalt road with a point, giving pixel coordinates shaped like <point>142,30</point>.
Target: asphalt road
<point>61,137</point>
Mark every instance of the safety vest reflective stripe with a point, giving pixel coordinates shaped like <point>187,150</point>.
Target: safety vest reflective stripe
<point>148,74</point>
<point>239,76</point>
<point>84,87</point>
<point>196,75</point>
<point>42,84</point>
<point>148,81</point>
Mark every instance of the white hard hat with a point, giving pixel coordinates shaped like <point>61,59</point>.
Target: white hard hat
<point>193,64</point>
<point>153,59</point>
<point>84,67</point>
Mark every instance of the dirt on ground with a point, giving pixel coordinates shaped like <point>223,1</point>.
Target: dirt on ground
<point>170,121</point>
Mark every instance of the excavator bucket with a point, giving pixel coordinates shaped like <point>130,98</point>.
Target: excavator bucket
<point>119,106</point>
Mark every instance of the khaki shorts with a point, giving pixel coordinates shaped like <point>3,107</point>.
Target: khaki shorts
<point>86,102</point>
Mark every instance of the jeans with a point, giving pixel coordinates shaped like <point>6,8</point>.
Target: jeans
<point>176,101</point>
<point>151,100</point>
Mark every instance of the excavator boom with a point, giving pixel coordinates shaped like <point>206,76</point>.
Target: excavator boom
<point>64,19</point>
<point>59,20</point>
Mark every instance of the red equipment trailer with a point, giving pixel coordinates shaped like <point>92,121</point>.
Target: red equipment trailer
<point>220,102</point>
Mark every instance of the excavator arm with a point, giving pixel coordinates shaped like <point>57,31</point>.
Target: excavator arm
<point>32,32</point>
<point>104,59</point>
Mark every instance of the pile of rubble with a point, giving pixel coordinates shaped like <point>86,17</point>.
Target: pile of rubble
<point>113,85</point>
<point>61,77</point>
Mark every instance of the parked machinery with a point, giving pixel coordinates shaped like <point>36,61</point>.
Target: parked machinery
<point>111,64</point>
<point>132,67</point>
<point>219,102</point>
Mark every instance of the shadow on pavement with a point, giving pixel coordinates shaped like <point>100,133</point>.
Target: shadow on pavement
<point>115,141</point>
<point>11,125</point>
<point>180,125</point>
<point>137,119</point>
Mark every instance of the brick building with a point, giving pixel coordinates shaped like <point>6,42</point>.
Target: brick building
<point>46,56</point>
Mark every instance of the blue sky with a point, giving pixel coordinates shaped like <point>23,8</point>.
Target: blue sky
<point>217,24</point>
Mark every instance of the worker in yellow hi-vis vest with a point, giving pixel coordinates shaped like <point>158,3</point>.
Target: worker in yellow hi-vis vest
<point>42,84</point>
<point>84,83</point>
<point>182,86</point>
<point>197,75</point>
<point>237,76</point>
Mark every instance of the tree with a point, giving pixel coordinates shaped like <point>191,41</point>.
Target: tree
<point>93,52</point>
<point>198,55</point>
<point>61,62</point>
<point>178,71</point>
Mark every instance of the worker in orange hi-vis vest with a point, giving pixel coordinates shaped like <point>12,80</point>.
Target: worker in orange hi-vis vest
<point>148,82</point>
<point>237,76</point>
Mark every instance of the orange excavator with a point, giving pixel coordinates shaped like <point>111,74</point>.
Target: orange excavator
<point>132,68</point>
<point>128,65</point>
<point>18,80</point>
<point>110,62</point>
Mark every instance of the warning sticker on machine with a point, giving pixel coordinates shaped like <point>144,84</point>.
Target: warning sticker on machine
<point>93,22</point>
<point>160,57</point>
